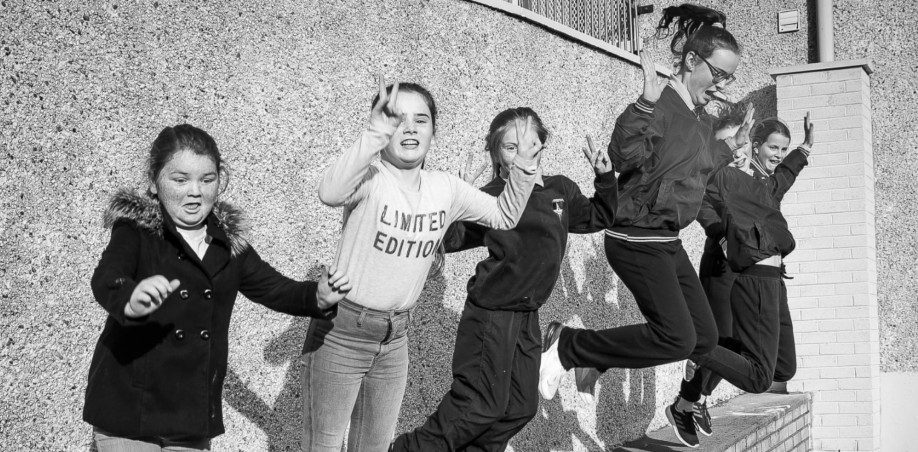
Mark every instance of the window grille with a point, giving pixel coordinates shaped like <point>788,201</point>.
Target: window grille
<point>613,21</point>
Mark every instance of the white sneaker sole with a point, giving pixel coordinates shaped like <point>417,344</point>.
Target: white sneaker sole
<point>672,423</point>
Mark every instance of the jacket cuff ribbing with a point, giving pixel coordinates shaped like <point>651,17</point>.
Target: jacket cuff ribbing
<point>644,106</point>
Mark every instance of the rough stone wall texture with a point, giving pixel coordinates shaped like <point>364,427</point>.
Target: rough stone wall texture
<point>283,87</point>
<point>885,33</point>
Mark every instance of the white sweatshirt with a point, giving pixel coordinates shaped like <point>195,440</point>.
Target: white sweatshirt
<point>391,233</point>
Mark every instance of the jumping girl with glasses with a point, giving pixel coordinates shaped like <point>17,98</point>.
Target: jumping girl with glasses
<point>664,147</point>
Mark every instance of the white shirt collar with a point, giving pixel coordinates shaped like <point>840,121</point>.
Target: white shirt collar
<point>682,91</point>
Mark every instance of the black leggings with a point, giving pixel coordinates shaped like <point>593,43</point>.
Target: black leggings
<point>669,295</point>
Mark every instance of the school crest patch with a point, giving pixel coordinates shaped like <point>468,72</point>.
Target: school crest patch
<point>557,205</point>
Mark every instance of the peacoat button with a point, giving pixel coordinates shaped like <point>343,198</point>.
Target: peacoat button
<point>180,334</point>
<point>208,294</point>
<point>181,255</point>
<point>183,294</point>
<point>205,335</point>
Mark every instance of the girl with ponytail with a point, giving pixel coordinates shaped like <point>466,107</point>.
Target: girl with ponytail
<point>663,145</point>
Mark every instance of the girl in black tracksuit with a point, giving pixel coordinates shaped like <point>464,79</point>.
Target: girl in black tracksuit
<point>498,343</point>
<point>664,148</point>
<point>745,215</point>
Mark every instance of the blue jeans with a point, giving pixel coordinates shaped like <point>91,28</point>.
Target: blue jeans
<point>355,368</point>
<point>106,442</point>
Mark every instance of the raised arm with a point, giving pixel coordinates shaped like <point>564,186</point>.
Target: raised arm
<point>346,180</point>
<point>636,131</point>
<point>786,173</point>
<point>589,215</point>
<point>731,149</point>
<point>504,211</point>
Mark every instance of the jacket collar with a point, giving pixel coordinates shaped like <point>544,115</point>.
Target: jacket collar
<point>224,224</point>
<point>757,167</point>
<point>683,93</point>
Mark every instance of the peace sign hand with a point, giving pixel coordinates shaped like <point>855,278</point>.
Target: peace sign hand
<point>600,161</point>
<point>383,115</point>
<point>653,84</point>
<point>528,145</point>
<point>807,131</point>
<point>468,174</point>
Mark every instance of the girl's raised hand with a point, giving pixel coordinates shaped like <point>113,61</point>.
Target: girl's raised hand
<point>149,295</point>
<point>528,144</point>
<point>468,174</point>
<point>332,288</point>
<point>742,134</point>
<point>807,131</point>
<point>383,115</point>
<point>600,161</point>
<point>653,83</point>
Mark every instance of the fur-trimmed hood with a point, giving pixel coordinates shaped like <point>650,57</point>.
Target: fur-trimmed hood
<point>145,213</point>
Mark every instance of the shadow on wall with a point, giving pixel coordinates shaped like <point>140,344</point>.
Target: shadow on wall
<point>432,340</point>
<point>765,102</point>
<point>626,399</point>
<point>282,420</point>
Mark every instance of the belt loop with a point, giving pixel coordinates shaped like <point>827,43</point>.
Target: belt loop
<point>388,328</point>
<point>363,314</point>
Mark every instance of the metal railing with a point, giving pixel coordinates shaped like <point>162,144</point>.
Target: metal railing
<point>613,21</point>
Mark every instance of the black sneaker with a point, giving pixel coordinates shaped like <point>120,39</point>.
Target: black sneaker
<point>702,419</point>
<point>683,425</point>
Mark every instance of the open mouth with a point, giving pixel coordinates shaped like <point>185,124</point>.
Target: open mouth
<point>410,144</point>
<point>192,207</point>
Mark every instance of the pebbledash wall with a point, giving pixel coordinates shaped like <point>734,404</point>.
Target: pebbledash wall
<point>284,87</point>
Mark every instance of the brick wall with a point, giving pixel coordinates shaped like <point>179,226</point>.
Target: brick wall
<point>833,297</point>
<point>787,432</point>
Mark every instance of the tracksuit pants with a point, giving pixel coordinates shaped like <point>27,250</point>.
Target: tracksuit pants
<point>761,345</point>
<point>494,393</point>
<point>670,296</point>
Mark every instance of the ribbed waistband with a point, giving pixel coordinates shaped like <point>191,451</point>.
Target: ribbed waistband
<point>635,234</point>
<point>763,271</point>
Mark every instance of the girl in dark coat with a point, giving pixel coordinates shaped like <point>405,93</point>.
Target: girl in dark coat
<point>168,280</point>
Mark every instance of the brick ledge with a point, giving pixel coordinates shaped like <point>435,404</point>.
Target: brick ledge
<point>866,64</point>
<point>749,422</point>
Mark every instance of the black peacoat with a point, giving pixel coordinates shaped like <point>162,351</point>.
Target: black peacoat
<point>162,375</point>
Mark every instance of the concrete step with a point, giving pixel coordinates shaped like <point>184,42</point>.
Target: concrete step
<point>749,422</point>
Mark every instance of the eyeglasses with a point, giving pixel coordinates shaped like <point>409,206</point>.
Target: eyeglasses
<point>719,74</point>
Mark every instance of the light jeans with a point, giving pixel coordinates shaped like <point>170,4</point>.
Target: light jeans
<point>355,368</point>
<point>105,442</point>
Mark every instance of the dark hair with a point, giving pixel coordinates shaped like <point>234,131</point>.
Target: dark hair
<point>698,29</point>
<point>408,87</point>
<point>502,123</point>
<point>730,115</point>
<point>179,138</point>
<point>765,128</point>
